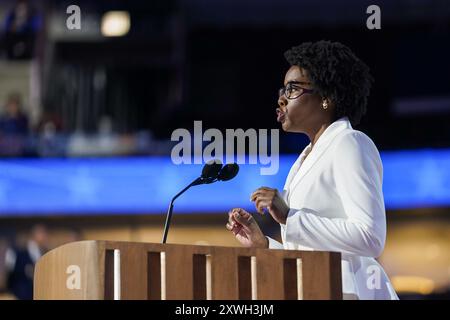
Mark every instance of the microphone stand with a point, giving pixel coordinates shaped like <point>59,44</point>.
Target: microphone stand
<point>197,181</point>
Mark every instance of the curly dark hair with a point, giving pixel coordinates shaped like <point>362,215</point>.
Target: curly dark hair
<point>337,74</point>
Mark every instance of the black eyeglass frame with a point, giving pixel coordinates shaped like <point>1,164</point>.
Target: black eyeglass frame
<point>294,85</point>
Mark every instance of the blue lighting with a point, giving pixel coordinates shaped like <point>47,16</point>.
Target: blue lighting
<point>416,179</point>
<point>412,179</point>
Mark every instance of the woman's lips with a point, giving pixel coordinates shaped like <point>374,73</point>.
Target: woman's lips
<point>280,116</point>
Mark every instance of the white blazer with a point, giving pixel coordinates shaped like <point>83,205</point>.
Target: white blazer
<point>336,204</point>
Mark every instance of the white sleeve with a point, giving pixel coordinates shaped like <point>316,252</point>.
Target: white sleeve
<point>358,174</point>
<point>274,244</point>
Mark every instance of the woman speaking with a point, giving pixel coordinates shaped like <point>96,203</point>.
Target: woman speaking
<point>332,199</point>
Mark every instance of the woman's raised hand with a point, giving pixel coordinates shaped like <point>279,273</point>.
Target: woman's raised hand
<point>246,229</point>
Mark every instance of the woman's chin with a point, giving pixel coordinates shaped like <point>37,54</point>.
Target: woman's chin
<point>285,126</point>
<point>288,126</point>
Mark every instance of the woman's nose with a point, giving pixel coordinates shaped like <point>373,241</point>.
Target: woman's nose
<point>282,101</point>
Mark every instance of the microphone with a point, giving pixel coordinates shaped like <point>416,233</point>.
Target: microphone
<point>209,173</point>
<point>228,172</point>
<point>212,172</point>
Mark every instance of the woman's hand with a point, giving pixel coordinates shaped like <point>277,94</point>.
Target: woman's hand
<point>271,199</point>
<point>246,229</point>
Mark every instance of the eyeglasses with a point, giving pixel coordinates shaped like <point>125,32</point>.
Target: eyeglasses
<point>292,90</point>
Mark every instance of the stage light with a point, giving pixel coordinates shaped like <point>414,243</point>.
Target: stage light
<point>412,284</point>
<point>115,23</point>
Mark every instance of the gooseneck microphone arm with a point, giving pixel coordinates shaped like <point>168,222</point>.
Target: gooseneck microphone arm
<point>211,173</point>
<point>169,211</point>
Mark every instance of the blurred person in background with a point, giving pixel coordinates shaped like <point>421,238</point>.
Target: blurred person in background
<point>13,127</point>
<point>20,29</point>
<point>20,260</point>
<point>3,248</point>
<point>14,121</point>
<point>51,141</point>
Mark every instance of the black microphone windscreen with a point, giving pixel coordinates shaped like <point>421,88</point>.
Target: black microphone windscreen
<point>228,172</point>
<point>211,169</point>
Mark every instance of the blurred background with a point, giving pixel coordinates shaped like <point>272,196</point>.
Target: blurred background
<point>86,117</point>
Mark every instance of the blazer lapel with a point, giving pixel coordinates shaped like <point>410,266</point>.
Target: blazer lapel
<point>295,167</point>
<point>293,173</point>
<point>322,144</point>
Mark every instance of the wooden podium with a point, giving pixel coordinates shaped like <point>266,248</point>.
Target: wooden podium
<point>132,270</point>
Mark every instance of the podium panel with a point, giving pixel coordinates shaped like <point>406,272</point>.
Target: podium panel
<point>106,270</point>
